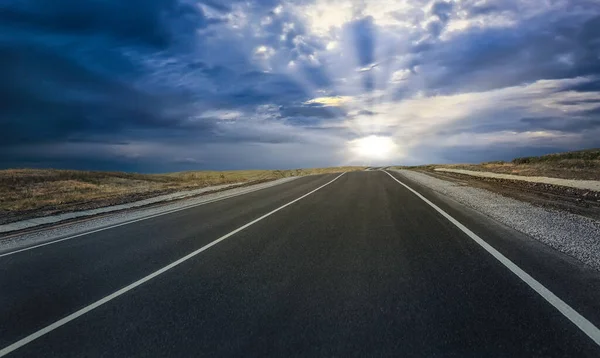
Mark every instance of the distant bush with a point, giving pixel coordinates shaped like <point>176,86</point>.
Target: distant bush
<point>589,154</point>
<point>523,160</point>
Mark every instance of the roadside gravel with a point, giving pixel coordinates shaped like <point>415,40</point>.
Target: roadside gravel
<point>16,242</point>
<point>572,234</point>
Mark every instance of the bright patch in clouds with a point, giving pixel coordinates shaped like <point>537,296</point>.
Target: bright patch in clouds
<point>373,148</point>
<point>329,101</point>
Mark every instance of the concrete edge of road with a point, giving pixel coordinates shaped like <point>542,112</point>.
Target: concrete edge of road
<point>32,337</point>
<point>68,229</point>
<point>581,322</point>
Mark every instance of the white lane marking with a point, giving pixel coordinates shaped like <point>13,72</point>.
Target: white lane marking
<point>134,221</point>
<point>581,322</point>
<point>141,281</point>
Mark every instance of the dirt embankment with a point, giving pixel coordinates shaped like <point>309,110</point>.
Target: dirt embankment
<point>576,201</point>
<point>575,165</point>
<point>578,165</point>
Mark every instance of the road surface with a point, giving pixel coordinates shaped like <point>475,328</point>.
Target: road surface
<point>351,265</point>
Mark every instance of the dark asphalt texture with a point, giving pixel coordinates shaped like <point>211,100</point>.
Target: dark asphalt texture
<point>361,267</point>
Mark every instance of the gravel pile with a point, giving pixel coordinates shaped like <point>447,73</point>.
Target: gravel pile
<point>30,239</point>
<point>574,235</point>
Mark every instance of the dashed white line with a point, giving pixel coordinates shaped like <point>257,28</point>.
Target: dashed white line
<point>143,280</point>
<point>581,322</point>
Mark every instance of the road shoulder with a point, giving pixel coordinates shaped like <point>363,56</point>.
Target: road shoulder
<point>574,281</point>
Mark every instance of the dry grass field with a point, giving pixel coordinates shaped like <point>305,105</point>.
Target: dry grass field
<point>39,192</point>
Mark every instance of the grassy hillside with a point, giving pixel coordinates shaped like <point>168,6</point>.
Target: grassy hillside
<point>39,192</point>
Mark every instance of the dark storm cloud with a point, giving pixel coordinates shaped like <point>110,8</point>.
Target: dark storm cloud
<point>564,125</point>
<point>489,7</point>
<point>143,22</point>
<point>57,98</point>
<point>252,88</point>
<point>545,47</point>
<point>442,10</point>
<point>478,154</point>
<point>363,34</point>
<point>316,111</point>
<point>78,71</point>
<point>590,86</point>
<point>217,5</point>
<point>576,124</point>
<point>67,75</point>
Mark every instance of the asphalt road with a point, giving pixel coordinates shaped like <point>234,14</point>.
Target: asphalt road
<point>360,267</point>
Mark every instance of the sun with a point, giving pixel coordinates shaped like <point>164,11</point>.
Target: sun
<point>373,147</point>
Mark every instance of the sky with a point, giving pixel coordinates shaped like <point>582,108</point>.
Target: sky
<point>172,85</point>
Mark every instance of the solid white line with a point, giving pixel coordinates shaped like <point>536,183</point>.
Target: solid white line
<point>581,322</point>
<point>137,283</point>
<point>133,221</point>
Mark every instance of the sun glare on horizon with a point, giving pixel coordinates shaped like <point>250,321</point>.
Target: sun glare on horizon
<point>373,147</point>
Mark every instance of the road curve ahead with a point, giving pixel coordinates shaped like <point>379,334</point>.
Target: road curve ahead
<point>350,265</point>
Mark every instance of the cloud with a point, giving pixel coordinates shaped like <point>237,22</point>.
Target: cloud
<point>547,46</point>
<point>363,32</point>
<point>441,11</point>
<point>148,23</point>
<point>312,110</point>
<point>221,84</point>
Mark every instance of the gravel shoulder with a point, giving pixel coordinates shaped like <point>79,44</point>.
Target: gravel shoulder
<point>569,233</point>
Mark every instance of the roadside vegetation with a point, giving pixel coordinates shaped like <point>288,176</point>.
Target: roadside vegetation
<point>582,165</point>
<point>26,193</point>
